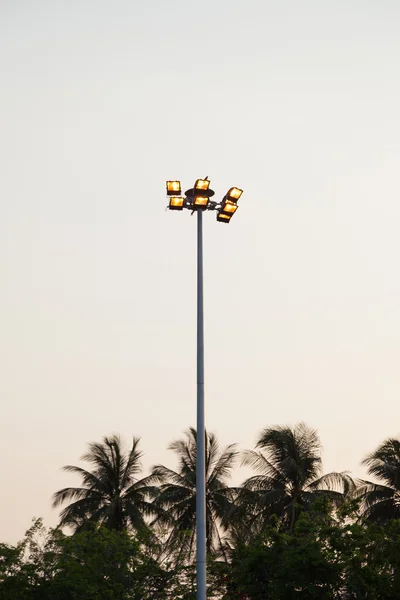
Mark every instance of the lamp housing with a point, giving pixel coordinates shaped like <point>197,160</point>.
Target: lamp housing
<point>173,188</point>
<point>201,185</point>
<point>223,218</point>
<point>228,207</point>
<point>234,194</point>
<point>176,202</point>
<point>200,201</point>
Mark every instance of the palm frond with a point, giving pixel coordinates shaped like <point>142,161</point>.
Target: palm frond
<point>91,480</point>
<point>111,493</point>
<point>259,462</point>
<point>82,512</point>
<point>296,451</point>
<point>71,493</point>
<point>133,464</point>
<point>161,474</point>
<point>176,499</point>
<point>340,482</point>
<point>222,465</point>
<point>384,463</point>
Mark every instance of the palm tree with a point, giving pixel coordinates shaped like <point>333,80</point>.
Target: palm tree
<point>381,501</point>
<point>111,494</point>
<point>176,498</point>
<point>289,478</point>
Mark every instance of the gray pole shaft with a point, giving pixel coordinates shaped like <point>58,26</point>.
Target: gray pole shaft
<point>201,593</point>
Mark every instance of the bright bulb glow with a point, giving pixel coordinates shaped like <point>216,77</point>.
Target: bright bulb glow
<point>202,184</point>
<point>176,202</point>
<point>200,201</point>
<point>229,207</point>
<point>235,193</point>
<point>173,187</point>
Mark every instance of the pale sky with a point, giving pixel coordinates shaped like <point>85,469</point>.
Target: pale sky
<point>101,102</point>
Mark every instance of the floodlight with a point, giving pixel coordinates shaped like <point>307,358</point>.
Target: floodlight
<point>201,201</point>
<point>173,188</point>
<point>202,184</point>
<point>176,202</point>
<point>234,194</point>
<point>223,218</point>
<point>228,207</point>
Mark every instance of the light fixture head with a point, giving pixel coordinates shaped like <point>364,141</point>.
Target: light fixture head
<point>202,184</point>
<point>228,207</point>
<point>222,218</point>
<point>201,201</point>
<point>200,190</point>
<point>173,188</point>
<point>176,202</point>
<point>234,194</point>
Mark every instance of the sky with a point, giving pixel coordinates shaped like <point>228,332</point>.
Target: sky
<point>297,103</point>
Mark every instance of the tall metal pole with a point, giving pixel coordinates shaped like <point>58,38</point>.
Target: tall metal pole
<point>201,593</point>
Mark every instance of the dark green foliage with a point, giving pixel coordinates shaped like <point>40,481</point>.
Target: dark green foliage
<point>327,556</point>
<point>288,533</point>
<point>176,498</point>
<point>95,564</point>
<point>26,570</point>
<point>289,477</point>
<point>380,501</point>
<point>111,494</point>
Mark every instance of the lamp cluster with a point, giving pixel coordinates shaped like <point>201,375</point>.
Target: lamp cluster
<point>198,198</point>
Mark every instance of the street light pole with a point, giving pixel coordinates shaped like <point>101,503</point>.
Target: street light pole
<point>197,199</point>
<point>201,450</point>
